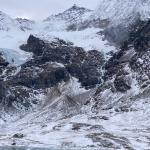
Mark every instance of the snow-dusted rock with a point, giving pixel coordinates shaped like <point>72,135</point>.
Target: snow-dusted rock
<point>66,19</point>
<point>25,24</point>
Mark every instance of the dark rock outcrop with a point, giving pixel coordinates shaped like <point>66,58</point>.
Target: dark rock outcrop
<point>43,77</point>
<point>36,48</point>
<point>122,83</point>
<point>2,91</point>
<point>134,52</point>
<point>86,66</point>
<point>3,63</point>
<point>52,63</point>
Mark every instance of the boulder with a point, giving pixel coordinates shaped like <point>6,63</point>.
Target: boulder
<point>123,83</point>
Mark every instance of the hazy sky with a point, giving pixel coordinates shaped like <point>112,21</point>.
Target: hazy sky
<point>40,9</point>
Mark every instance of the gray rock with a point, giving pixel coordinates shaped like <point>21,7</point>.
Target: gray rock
<point>18,135</point>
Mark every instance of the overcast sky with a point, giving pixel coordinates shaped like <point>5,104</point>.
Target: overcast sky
<point>40,9</point>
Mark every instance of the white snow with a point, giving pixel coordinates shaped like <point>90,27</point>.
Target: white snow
<point>122,11</point>
<point>88,39</point>
<point>15,57</point>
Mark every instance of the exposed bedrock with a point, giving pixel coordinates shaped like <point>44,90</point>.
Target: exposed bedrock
<point>86,66</point>
<point>52,63</point>
<point>127,72</point>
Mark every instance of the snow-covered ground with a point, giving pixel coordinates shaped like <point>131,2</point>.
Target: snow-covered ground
<point>123,130</point>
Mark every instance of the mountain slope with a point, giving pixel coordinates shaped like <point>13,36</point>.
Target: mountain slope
<point>61,21</point>
<point>124,12</point>
<point>6,22</point>
<point>76,87</point>
<point>9,24</point>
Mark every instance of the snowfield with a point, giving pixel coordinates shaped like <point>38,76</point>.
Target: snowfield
<point>129,129</point>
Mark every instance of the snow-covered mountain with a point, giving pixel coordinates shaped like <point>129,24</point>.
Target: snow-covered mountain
<point>25,24</point>
<point>75,18</point>
<point>124,12</point>
<point>6,22</point>
<point>9,24</point>
<point>62,21</point>
<point>115,11</point>
<point>62,82</point>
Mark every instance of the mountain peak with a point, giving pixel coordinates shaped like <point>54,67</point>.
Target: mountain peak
<point>72,12</point>
<point>73,15</point>
<point>76,7</point>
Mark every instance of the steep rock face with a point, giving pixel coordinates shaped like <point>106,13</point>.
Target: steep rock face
<point>86,66</point>
<point>3,65</point>
<point>127,72</point>
<point>52,64</point>
<point>122,16</point>
<point>134,51</point>
<point>3,91</point>
<point>89,72</point>
<point>122,12</point>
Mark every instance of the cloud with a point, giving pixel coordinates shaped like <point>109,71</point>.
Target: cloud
<point>40,9</point>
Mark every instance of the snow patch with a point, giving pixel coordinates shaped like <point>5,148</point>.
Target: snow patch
<point>15,57</point>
